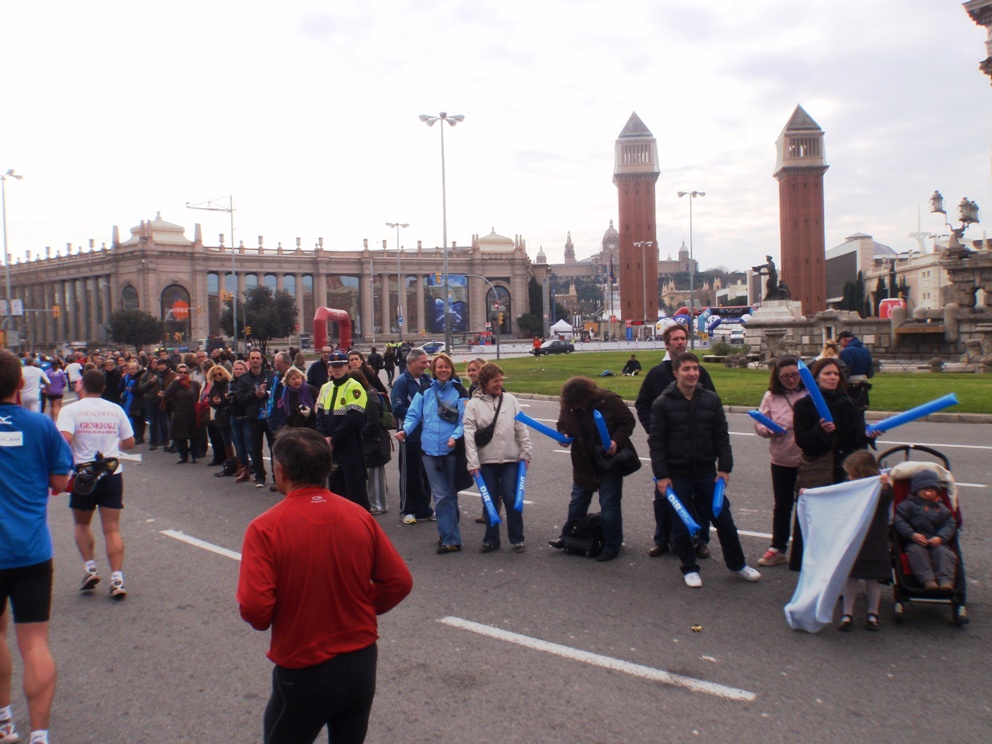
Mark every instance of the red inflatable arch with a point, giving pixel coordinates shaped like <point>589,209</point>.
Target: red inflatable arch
<point>320,320</point>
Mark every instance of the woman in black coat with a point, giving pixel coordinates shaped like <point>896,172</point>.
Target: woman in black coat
<point>183,394</point>
<point>580,396</point>
<point>825,444</point>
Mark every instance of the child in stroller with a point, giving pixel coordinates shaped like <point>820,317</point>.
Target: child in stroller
<point>906,587</point>
<point>926,527</point>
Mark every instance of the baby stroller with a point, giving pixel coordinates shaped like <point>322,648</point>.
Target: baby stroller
<point>905,587</point>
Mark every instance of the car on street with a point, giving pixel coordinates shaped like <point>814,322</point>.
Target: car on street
<point>434,347</point>
<point>554,347</point>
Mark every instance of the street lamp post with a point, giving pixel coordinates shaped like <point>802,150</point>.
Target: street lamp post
<point>692,269</point>
<point>214,206</point>
<point>431,121</point>
<point>8,318</point>
<point>400,296</point>
<point>644,245</point>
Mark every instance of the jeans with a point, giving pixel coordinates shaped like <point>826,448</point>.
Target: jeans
<point>610,493</point>
<point>257,428</point>
<point>158,422</point>
<point>241,438</point>
<point>501,480</point>
<point>445,497</point>
<point>698,491</point>
<point>784,488</point>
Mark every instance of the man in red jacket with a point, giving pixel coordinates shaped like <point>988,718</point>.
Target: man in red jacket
<point>317,569</point>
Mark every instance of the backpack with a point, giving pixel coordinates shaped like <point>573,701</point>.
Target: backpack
<point>583,536</point>
<point>376,443</point>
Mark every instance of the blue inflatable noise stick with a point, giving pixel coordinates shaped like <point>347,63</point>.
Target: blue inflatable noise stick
<point>913,414</point>
<point>546,430</point>
<point>684,515</point>
<point>718,490</point>
<point>814,392</point>
<point>521,483</point>
<point>487,500</point>
<point>604,434</point>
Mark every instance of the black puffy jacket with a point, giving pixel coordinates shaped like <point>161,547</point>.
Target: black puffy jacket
<point>688,436</point>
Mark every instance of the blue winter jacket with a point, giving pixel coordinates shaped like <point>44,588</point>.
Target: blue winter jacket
<point>436,432</point>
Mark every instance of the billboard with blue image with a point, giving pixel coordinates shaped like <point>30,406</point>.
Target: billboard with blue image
<point>434,302</point>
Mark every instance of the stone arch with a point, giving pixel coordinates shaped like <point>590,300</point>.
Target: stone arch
<point>177,313</point>
<point>129,297</point>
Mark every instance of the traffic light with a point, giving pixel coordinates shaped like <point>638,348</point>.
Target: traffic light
<point>501,317</point>
<point>56,312</point>
<point>247,330</point>
<point>437,277</point>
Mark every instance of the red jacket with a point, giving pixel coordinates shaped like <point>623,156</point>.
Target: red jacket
<point>318,569</point>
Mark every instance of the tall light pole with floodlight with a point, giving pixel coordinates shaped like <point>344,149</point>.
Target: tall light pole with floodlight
<point>214,205</point>
<point>644,245</point>
<point>430,121</point>
<point>400,293</point>
<point>692,270</point>
<point>9,317</point>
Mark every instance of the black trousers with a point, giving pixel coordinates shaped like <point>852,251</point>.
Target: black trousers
<point>337,693</point>
<point>350,478</point>
<point>784,488</point>
<point>258,429</point>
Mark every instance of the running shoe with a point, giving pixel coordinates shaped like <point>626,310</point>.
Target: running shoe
<point>409,519</point>
<point>773,557</point>
<point>693,580</point>
<point>90,580</point>
<point>7,733</point>
<point>117,590</point>
<point>748,574</point>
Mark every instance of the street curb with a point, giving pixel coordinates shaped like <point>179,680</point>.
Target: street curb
<point>933,418</point>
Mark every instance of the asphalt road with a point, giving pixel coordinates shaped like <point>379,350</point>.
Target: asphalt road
<point>538,647</point>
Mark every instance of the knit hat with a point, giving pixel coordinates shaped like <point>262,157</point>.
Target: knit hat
<point>924,479</point>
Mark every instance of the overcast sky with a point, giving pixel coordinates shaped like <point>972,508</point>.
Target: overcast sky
<point>307,113</point>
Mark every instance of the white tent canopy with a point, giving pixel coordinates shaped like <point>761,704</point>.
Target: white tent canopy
<point>561,326</point>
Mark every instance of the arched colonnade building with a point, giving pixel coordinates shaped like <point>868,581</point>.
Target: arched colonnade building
<point>159,270</point>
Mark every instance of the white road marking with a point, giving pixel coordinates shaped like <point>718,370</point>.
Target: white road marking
<point>129,457</point>
<point>606,662</point>
<point>972,485</point>
<point>939,445</point>
<point>196,542</point>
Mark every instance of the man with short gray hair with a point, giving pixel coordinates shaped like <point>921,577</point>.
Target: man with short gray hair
<point>415,494</point>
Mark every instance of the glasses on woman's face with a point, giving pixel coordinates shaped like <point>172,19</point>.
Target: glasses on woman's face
<point>788,375</point>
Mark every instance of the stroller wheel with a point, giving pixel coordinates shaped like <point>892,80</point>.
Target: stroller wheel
<point>898,612</point>
<point>960,615</point>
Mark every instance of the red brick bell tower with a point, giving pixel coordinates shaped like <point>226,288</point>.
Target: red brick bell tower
<point>799,169</point>
<point>635,172</point>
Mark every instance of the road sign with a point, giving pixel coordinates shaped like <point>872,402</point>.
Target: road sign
<point>627,323</point>
<point>16,306</point>
<point>399,321</point>
<point>613,318</point>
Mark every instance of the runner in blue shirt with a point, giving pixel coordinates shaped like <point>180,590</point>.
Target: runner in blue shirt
<point>33,458</point>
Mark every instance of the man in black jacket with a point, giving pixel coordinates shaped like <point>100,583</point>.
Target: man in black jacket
<point>690,450</point>
<point>252,390</point>
<point>657,379</point>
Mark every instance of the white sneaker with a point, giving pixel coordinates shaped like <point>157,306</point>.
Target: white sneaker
<point>693,580</point>
<point>748,574</point>
<point>7,733</point>
<point>409,519</point>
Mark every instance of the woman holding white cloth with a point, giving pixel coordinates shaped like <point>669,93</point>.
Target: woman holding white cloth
<point>495,442</point>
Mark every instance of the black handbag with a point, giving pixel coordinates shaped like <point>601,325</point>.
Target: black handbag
<point>447,412</point>
<point>485,435</point>
<point>625,461</point>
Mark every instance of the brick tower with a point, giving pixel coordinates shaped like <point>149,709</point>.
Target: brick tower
<point>635,172</point>
<point>799,169</point>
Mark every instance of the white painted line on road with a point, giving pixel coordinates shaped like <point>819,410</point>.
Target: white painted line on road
<point>606,662</point>
<point>196,542</point>
<point>972,485</point>
<point>941,445</point>
<point>129,457</point>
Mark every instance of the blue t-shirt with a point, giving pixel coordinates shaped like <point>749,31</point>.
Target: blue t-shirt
<point>31,449</point>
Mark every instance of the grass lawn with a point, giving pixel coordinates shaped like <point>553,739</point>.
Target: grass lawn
<point>894,391</point>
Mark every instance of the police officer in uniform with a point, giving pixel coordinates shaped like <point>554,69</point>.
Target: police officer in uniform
<point>341,419</point>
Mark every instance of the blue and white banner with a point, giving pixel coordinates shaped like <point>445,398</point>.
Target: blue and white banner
<point>834,521</point>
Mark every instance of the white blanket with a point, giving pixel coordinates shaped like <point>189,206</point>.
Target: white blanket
<point>834,521</point>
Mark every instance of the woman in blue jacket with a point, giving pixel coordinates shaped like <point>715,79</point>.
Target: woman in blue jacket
<point>439,410</point>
